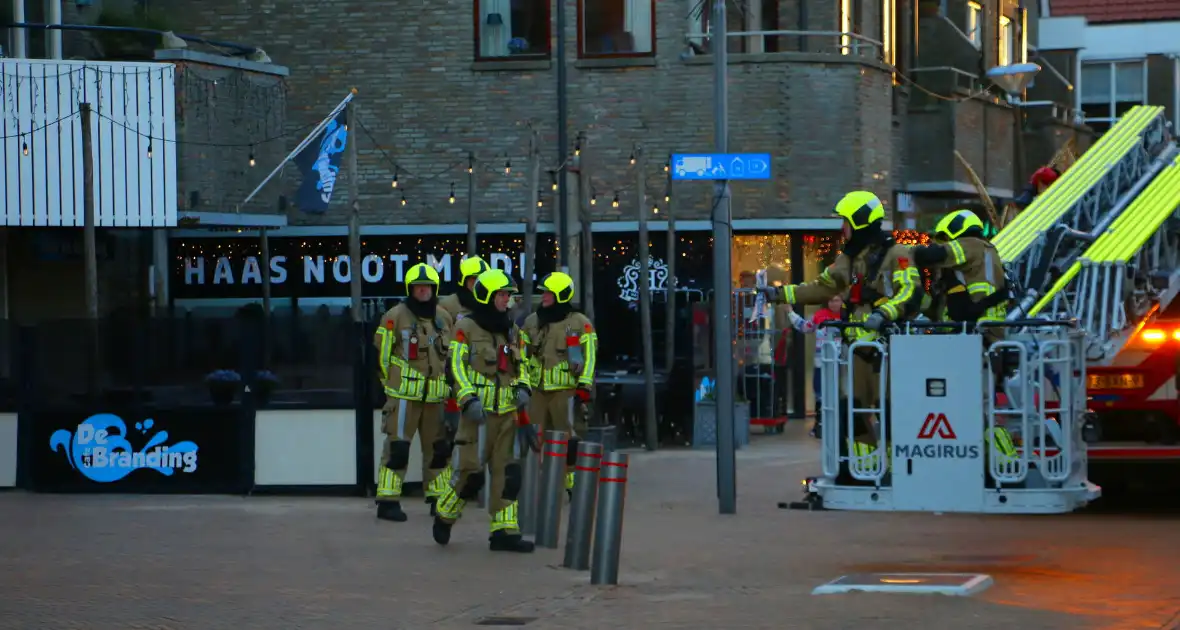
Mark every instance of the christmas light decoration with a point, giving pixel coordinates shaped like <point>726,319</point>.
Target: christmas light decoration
<point>149,151</point>
<point>615,202</point>
<point>251,158</point>
<point>395,170</point>
<point>24,147</point>
<point>451,198</point>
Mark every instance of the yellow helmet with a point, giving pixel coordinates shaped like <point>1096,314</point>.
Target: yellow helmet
<point>953,225</point>
<point>471,266</point>
<point>421,273</point>
<point>561,285</point>
<point>860,208</point>
<point>489,283</point>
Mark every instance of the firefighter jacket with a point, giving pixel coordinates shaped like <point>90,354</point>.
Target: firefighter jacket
<point>488,366</point>
<point>412,352</point>
<point>973,276</point>
<point>882,278</point>
<point>454,306</point>
<point>560,355</point>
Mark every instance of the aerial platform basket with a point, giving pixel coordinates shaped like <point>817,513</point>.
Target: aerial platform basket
<point>941,439</point>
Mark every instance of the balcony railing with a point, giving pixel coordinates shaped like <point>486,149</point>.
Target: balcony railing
<point>789,41</point>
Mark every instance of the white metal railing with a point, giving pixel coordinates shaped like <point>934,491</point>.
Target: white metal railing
<point>847,43</point>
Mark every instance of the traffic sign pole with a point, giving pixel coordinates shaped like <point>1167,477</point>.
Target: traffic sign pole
<point>723,275</point>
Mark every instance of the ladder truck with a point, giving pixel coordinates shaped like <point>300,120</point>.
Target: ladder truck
<point>1094,265</point>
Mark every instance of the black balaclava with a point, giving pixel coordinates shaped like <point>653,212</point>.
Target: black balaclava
<point>864,238</point>
<point>466,299</point>
<point>488,318</point>
<point>423,310</point>
<point>553,314</point>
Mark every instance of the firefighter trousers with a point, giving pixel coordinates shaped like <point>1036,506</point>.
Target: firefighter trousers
<point>400,420</point>
<point>490,447</point>
<point>559,410</point>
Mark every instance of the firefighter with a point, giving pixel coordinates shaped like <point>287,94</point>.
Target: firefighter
<point>411,342</point>
<point>459,304</point>
<point>883,286</point>
<point>562,352</point>
<point>970,268</point>
<point>492,383</point>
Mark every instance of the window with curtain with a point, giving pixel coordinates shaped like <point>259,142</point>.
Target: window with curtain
<point>1109,89</point>
<point>974,28</point>
<point>616,28</point>
<point>511,28</point>
<point>1007,47</point>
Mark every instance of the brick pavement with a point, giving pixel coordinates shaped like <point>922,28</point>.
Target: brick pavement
<point>262,562</point>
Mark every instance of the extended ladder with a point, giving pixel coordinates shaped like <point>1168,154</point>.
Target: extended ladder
<point>1053,232</point>
<point>1132,266</point>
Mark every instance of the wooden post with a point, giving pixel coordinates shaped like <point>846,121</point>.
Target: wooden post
<point>650,426</point>
<point>670,293</point>
<point>471,225</point>
<point>530,238</point>
<point>354,217</point>
<point>90,249</point>
<point>584,215</point>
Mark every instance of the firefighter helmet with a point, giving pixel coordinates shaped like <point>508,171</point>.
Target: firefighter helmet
<point>489,283</point>
<point>421,273</point>
<point>860,208</point>
<point>561,285</point>
<point>471,266</point>
<point>957,224</point>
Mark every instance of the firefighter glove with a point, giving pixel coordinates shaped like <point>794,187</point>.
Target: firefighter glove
<point>583,394</point>
<point>773,294</point>
<point>473,411</point>
<point>528,438</point>
<point>876,321</point>
<point>522,396</point>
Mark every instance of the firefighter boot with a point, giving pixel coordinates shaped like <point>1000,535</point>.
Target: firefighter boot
<point>391,511</point>
<point>504,541</point>
<point>441,531</point>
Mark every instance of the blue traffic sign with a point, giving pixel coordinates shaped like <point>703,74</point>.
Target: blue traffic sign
<point>711,166</point>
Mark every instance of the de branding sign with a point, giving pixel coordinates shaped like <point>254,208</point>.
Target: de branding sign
<point>100,451</point>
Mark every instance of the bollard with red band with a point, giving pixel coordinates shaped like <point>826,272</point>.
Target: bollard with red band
<point>553,455</point>
<point>608,531</point>
<point>581,525</point>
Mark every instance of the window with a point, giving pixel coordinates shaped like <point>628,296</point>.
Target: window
<point>1007,49</point>
<point>511,29</point>
<point>616,28</point>
<point>975,23</point>
<point>889,32</point>
<point>1109,89</point>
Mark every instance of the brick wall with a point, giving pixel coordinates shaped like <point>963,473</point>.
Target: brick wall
<point>825,118</point>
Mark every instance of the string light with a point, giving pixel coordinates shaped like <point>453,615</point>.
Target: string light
<point>594,199</point>
<point>577,149</point>
<point>539,202</point>
<point>24,147</point>
<point>632,158</point>
<point>470,164</point>
<point>451,199</point>
<point>507,167</point>
<point>395,170</point>
<point>553,177</point>
<point>149,151</point>
<point>403,198</point>
<point>251,157</point>
<point>668,164</point>
<point>655,209</point>
<point>615,202</point>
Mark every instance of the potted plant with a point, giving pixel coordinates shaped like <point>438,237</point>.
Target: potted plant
<point>265,383</point>
<point>223,386</point>
<point>704,421</point>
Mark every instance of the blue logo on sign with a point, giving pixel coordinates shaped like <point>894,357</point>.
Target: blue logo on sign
<point>99,449</point>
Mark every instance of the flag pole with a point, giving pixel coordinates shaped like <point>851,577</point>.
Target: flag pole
<point>302,145</point>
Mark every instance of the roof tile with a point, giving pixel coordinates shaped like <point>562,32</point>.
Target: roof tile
<point>1106,11</point>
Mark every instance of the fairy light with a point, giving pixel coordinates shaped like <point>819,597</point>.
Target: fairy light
<point>470,164</point>
<point>149,151</point>
<point>594,199</point>
<point>451,198</point>
<point>632,158</point>
<point>395,174</point>
<point>615,202</point>
<point>577,149</point>
<point>403,199</point>
<point>553,179</point>
<point>507,167</point>
<point>24,148</point>
<point>251,157</point>
<point>655,209</point>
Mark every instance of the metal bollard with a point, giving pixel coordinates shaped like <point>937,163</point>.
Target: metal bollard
<point>552,487</point>
<point>608,531</point>
<point>581,525</point>
<point>527,511</point>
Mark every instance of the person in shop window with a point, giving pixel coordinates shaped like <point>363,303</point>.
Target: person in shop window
<point>833,310</point>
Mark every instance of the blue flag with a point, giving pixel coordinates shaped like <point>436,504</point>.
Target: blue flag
<point>319,163</point>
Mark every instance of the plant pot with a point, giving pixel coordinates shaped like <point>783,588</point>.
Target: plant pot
<point>704,424</point>
<point>221,395</point>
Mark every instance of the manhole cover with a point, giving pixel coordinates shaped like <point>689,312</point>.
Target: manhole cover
<point>942,583</point>
<point>505,621</point>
